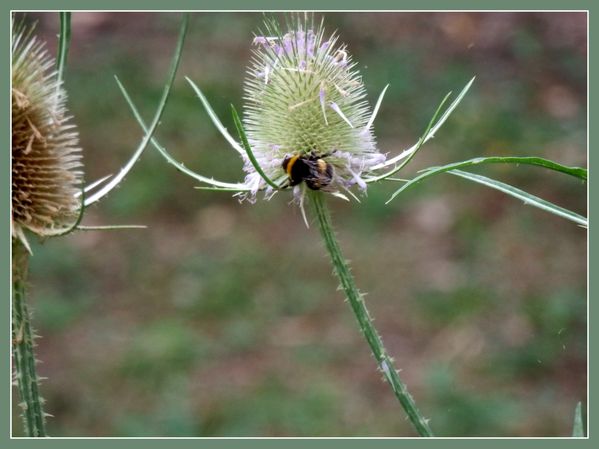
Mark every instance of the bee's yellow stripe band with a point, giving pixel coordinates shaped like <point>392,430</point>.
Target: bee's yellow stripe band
<point>290,164</point>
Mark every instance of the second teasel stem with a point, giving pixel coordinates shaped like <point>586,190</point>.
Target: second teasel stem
<point>356,301</point>
<point>22,347</point>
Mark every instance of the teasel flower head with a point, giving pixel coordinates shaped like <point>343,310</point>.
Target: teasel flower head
<point>304,97</point>
<point>46,157</point>
<point>307,123</point>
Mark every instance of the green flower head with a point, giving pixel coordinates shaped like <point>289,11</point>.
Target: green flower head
<point>305,98</point>
<point>307,123</point>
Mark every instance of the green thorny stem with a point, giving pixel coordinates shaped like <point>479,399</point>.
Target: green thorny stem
<point>356,300</point>
<point>22,346</point>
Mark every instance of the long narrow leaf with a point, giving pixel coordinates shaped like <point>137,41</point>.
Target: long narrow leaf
<point>577,172</point>
<point>143,144</point>
<point>528,198</point>
<point>248,149</point>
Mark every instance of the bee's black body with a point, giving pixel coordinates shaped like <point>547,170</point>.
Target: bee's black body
<point>313,169</point>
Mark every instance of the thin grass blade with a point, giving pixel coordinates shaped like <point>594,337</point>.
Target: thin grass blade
<point>578,428</point>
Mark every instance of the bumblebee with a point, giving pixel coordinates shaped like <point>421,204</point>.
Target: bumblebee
<point>311,168</point>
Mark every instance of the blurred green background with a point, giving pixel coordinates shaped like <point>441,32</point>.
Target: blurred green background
<point>223,319</point>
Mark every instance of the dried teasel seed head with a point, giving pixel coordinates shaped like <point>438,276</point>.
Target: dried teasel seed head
<point>46,158</point>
